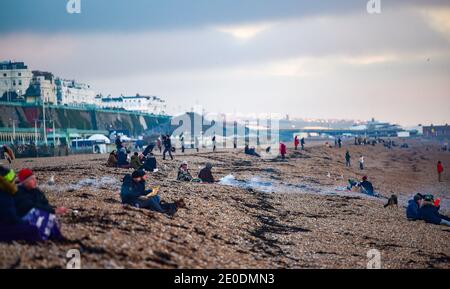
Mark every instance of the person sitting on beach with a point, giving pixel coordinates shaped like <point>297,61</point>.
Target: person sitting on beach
<point>122,159</point>
<point>12,227</point>
<point>32,205</point>
<point>150,164</point>
<point>133,193</point>
<point>184,174</point>
<point>366,187</point>
<point>429,212</point>
<point>412,211</point>
<point>112,160</point>
<point>135,161</point>
<point>250,151</point>
<point>205,174</point>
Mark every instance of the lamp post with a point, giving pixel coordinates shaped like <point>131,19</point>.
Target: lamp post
<point>43,115</point>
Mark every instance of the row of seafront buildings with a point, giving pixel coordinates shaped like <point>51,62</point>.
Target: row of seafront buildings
<point>20,84</point>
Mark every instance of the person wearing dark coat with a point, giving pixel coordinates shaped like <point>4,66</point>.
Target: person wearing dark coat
<point>33,207</point>
<point>118,142</point>
<point>133,193</point>
<point>29,196</point>
<point>205,174</point>
<point>167,143</point>
<point>412,211</point>
<point>430,213</point>
<point>122,159</point>
<point>366,187</point>
<point>12,227</point>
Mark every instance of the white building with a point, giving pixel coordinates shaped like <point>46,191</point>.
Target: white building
<point>15,77</point>
<point>70,92</point>
<point>139,103</point>
<point>42,88</point>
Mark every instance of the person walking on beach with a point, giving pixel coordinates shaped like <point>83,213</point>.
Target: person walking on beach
<point>361,163</point>
<point>182,144</point>
<point>158,144</point>
<point>296,142</point>
<point>197,144</point>
<point>302,143</point>
<point>440,170</point>
<point>347,159</point>
<point>340,142</point>
<point>214,143</point>
<point>167,143</point>
<point>283,151</point>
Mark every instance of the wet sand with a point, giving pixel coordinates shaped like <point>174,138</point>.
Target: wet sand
<point>306,222</point>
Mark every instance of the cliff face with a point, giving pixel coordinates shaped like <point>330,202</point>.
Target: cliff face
<point>83,119</point>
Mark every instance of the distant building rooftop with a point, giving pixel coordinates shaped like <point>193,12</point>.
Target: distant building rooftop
<point>45,74</point>
<point>8,65</point>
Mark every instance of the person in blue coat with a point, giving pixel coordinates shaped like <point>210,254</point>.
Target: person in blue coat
<point>412,211</point>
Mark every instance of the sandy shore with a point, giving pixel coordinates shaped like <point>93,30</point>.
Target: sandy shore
<point>297,215</point>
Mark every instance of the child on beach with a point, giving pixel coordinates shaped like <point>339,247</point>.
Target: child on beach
<point>361,163</point>
<point>184,174</point>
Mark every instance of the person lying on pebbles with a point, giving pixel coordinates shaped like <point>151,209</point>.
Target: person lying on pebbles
<point>133,193</point>
<point>424,207</point>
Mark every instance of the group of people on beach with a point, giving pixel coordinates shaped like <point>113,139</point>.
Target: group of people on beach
<point>426,208</point>
<point>26,214</point>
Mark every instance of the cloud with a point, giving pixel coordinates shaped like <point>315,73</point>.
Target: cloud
<point>335,61</point>
<point>439,20</point>
<point>244,32</point>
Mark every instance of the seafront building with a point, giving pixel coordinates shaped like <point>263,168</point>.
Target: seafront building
<point>42,87</point>
<point>139,103</point>
<point>15,78</point>
<point>73,93</point>
<point>19,84</point>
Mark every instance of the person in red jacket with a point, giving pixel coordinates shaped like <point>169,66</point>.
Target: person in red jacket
<point>283,150</point>
<point>296,142</point>
<point>440,170</point>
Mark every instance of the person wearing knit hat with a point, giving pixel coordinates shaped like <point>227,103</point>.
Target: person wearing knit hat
<point>29,196</point>
<point>33,207</point>
<point>134,193</point>
<point>12,227</point>
<point>184,174</point>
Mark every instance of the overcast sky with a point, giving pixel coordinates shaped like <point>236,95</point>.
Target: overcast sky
<point>314,59</point>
